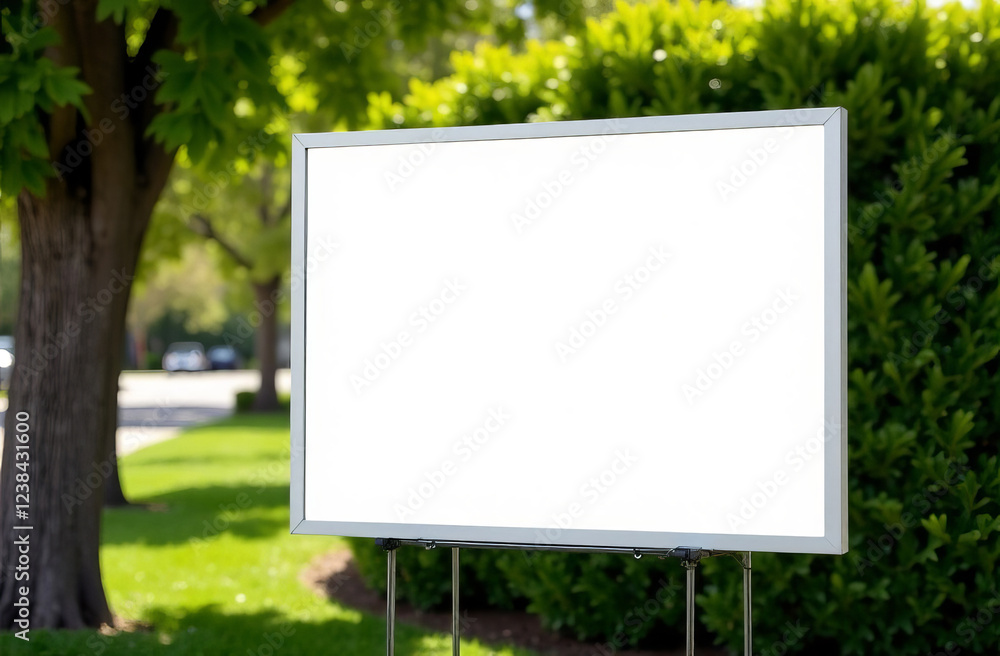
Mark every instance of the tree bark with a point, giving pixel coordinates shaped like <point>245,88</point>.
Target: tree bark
<point>58,389</point>
<point>266,343</point>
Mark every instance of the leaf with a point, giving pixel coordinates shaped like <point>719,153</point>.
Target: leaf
<point>937,526</point>
<point>10,170</point>
<point>986,524</point>
<point>218,38</point>
<point>43,38</point>
<point>249,56</point>
<point>28,135</point>
<point>34,173</point>
<point>116,8</point>
<point>64,88</point>
<point>8,102</point>
<point>201,136</point>
<point>968,491</point>
<point>29,79</point>
<point>173,129</point>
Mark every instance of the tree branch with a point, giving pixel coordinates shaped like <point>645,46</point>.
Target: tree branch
<point>62,123</point>
<point>264,183</point>
<point>203,227</point>
<point>265,14</point>
<point>152,160</point>
<point>154,169</point>
<point>161,35</point>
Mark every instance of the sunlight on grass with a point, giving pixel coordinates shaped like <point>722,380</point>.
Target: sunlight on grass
<point>211,564</point>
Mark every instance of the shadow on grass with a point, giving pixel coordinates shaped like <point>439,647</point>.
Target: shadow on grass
<point>200,513</point>
<point>208,631</point>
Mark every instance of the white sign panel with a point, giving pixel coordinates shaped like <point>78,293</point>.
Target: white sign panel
<point>622,333</point>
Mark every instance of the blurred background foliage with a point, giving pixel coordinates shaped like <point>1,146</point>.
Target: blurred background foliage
<point>314,70</point>
<point>921,88</point>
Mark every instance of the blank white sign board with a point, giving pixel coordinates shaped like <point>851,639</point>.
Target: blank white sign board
<point>623,333</point>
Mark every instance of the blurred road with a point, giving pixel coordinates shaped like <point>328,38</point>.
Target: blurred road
<point>154,406</point>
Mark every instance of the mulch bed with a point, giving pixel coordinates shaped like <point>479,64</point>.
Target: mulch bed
<point>335,576</point>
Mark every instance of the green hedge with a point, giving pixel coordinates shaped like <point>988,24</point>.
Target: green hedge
<point>245,401</point>
<point>921,87</point>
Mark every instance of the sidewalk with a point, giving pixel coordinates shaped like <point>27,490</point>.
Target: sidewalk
<point>155,406</point>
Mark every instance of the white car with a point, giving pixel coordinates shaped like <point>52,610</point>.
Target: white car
<point>186,356</point>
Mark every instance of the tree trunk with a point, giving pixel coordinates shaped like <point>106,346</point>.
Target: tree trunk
<point>63,362</point>
<point>266,343</point>
<point>79,247</point>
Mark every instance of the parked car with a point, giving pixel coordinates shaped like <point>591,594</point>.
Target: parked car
<point>186,356</point>
<point>224,357</point>
<point>6,360</point>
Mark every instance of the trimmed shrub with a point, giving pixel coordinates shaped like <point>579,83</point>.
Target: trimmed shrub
<point>245,399</point>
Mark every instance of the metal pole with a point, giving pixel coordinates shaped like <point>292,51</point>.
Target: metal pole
<point>390,606</point>
<point>747,609</point>
<point>455,628</point>
<point>690,565</point>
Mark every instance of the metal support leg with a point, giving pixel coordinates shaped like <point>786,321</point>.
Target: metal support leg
<point>390,607</point>
<point>690,566</point>
<point>455,628</point>
<point>747,609</point>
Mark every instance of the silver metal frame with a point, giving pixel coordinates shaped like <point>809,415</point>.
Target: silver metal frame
<point>834,540</point>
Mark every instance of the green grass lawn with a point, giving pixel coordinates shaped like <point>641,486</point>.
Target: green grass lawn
<point>214,570</point>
